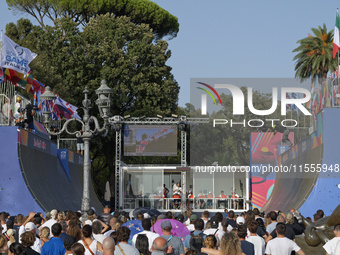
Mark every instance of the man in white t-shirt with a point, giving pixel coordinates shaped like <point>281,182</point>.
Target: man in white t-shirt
<point>146,224</point>
<point>50,222</point>
<point>213,230</point>
<point>330,246</point>
<point>282,245</point>
<point>17,108</point>
<point>259,243</point>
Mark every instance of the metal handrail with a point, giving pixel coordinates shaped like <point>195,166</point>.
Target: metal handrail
<point>194,203</point>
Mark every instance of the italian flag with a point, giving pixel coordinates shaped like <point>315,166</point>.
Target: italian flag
<point>336,39</point>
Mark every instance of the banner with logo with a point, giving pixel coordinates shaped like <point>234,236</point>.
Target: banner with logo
<point>14,56</point>
<point>63,157</point>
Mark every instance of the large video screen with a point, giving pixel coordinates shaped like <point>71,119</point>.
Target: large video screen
<point>150,140</point>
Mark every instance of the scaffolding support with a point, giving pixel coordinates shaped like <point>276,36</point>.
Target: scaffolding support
<point>117,123</point>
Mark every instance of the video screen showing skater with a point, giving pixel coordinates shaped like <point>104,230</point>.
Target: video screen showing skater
<point>150,140</point>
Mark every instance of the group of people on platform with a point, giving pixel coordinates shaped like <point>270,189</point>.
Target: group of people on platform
<point>17,114</point>
<point>62,233</point>
<point>203,200</point>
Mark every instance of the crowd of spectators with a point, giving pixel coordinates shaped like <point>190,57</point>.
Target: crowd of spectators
<point>249,233</point>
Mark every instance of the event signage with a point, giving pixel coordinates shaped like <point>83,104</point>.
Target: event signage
<point>15,57</point>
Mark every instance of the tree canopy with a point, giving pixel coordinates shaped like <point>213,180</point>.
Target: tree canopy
<point>111,48</point>
<point>314,55</point>
<point>139,11</point>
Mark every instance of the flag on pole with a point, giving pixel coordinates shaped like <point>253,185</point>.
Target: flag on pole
<point>14,56</point>
<point>336,39</point>
<point>65,109</point>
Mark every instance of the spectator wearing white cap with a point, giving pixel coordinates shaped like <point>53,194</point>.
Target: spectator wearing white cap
<point>22,228</point>
<point>37,246</point>
<point>146,224</point>
<point>50,222</point>
<point>10,236</point>
<point>240,220</point>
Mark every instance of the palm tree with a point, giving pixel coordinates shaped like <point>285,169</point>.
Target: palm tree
<point>314,58</point>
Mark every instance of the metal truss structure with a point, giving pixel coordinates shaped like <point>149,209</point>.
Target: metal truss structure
<point>117,123</point>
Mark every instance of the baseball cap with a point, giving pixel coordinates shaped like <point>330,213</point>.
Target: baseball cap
<point>10,232</point>
<point>180,217</point>
<point>166,224</point>
<point>146,216</point>
<point>161,217</point>
<point>214,222</point>
<point>240,220</point>
<point>90,212</point>
<point>193,217</point>
<point>69,240</point>
<point>30,226</point>
<point>54,212</point>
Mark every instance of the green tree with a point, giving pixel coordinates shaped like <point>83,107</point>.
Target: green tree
<point>140,11</point>
<point>111,48</point>
<point>314,55</point>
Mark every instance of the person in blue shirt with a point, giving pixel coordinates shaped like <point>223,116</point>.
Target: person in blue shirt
<point>248,248</point>
<point>55,246</point>
<point>199,225</point>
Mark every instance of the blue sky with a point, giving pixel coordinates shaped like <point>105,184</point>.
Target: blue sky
<point>235,39</point>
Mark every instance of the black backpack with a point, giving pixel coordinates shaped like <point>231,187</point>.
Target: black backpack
<point>196,242</point>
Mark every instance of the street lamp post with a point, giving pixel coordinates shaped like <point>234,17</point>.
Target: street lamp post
<point>103,103</point>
